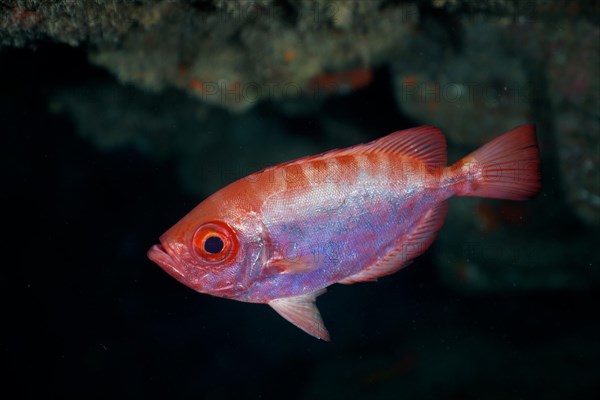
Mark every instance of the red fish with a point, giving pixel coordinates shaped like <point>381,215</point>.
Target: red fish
<point>282,235</point>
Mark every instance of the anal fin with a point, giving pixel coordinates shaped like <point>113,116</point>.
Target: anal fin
<point>302,312</point>
<point>407,249</point>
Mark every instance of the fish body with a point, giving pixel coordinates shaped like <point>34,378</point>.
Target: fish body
<point>282,235</point>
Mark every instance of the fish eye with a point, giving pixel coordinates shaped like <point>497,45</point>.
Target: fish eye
<point>215,242</point>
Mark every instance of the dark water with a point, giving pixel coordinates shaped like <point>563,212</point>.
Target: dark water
<point>87,314</point>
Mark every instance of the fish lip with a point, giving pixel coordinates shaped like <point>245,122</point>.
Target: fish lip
<point>161,255</point>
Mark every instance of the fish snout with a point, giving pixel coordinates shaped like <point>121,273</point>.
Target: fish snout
<point>160,255</point>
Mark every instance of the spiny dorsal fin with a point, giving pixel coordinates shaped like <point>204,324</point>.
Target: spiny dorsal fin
<point>302,312</point>
<point>425,143</point>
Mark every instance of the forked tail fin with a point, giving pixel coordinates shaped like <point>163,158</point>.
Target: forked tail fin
<point>508,167</point>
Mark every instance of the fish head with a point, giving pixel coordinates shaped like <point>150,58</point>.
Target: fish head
<point>215,249</point>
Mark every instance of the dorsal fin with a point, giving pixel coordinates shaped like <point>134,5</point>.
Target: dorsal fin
<point>302,312</point>
<point>425,143</point>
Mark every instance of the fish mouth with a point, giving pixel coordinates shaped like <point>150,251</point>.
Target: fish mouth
<point>160,255</point>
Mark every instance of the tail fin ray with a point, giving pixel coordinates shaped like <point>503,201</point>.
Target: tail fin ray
<point>508,167</point>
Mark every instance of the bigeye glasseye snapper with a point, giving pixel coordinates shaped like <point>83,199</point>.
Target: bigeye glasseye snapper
<point>280,236</point>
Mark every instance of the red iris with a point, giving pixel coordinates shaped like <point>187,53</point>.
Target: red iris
<point>215,242</point>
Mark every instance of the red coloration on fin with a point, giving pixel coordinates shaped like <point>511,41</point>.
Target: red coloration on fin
<point>409,247</point>
<point>292,265</point>
<point>508,167</point>
<point>425,143</point>
<point>302,312</point>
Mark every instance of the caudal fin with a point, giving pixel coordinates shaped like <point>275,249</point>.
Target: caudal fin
<point>508,167</point>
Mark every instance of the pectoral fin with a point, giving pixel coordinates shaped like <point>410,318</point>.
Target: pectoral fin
<point>296,265</point>
<point>302,312</point>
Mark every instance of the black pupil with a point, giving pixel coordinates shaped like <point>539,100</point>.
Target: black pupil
<point>213,245</point>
